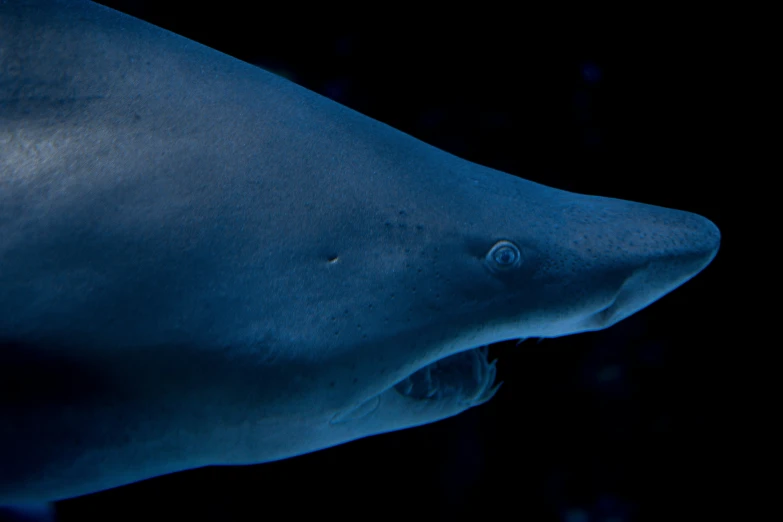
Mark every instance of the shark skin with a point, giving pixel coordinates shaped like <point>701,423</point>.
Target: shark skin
<point>203,263</point>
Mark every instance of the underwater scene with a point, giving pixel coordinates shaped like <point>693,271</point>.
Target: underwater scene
<point>224,296</point>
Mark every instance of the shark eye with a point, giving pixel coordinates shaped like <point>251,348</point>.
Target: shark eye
<point>504,255</point>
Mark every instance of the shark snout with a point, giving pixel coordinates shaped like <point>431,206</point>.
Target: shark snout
<point>659,252</point>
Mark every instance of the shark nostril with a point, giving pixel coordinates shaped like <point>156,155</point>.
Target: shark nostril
<point>604,316</point>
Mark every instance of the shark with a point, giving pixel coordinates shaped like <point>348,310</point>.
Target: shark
<point>202,263</point>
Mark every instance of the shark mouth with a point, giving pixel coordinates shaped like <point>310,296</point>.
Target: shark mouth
<point>465,379</point>
<point>468,376</point>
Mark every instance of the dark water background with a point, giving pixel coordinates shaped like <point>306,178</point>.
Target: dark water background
<point>612,426</point>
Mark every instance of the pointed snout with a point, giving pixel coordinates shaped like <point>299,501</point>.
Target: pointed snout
<point>657,250</point>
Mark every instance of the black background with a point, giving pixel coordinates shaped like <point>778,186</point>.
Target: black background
<point>611,426</point>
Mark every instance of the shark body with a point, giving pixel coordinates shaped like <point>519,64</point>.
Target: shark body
<point>203,263</point>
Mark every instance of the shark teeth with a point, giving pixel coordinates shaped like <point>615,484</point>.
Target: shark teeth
<point>490,388</point>
<point>468,377</point>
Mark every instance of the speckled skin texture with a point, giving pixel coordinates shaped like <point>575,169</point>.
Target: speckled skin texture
<point>203,263</point>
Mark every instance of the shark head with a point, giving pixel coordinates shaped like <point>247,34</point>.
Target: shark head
<point>202,263</point>
<point>452,256</point>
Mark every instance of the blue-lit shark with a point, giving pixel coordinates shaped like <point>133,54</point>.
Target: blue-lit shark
<point>203,263</point>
